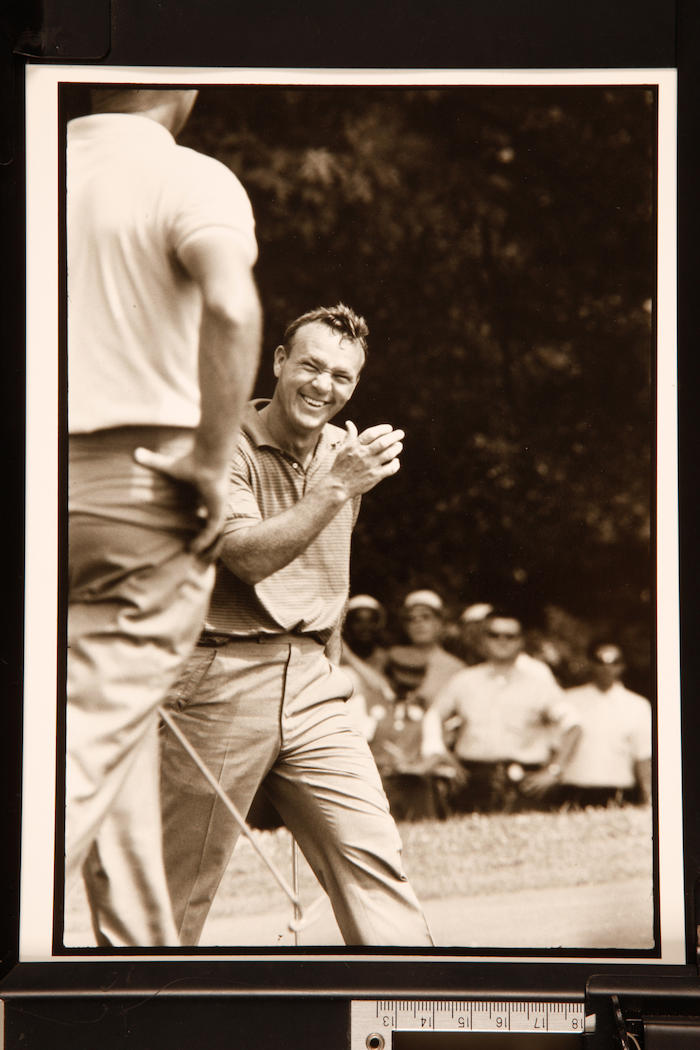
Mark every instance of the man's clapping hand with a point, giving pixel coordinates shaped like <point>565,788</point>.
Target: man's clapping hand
<point>365,459</point>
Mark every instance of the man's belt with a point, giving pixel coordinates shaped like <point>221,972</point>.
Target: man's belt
<point>502,766</point>
<point>217,639</point>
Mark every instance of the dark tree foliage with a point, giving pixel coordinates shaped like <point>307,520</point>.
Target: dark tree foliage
<point>501,243</point>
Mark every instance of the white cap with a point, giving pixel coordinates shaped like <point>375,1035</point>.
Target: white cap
<point>476,613</point>
<point>428,598</point>
<point>608,654</point>
<point>363,601</point>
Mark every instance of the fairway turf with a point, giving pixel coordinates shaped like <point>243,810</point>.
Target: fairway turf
<point>606,853</point>
<point>473,855</point>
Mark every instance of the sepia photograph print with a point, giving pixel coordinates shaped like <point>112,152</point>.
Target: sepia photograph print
<point>362,394</point>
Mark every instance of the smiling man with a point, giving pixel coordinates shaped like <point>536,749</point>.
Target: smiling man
<point>262,699</point>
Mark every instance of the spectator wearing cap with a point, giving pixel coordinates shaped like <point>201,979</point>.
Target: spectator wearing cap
<point>514,729</point>
<point>423,620</point>
<point>611,763</point>
<point>364,659</point>
<point>472,626</point>
<point>416,788</point>
<point>365,620</point>
<point>469,630</point>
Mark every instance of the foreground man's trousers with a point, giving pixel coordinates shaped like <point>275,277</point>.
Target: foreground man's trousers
<point>273,710</point>
<point>137,599</point>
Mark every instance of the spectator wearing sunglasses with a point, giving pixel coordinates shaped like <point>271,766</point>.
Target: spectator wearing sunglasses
<point>514,730</point>
<point>470,629</point>
<point>611,763</point>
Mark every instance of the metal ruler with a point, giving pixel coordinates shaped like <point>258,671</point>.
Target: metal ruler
<point>373,1021</point>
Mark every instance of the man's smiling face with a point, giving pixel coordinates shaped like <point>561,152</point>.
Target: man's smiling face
<point>316,377</point>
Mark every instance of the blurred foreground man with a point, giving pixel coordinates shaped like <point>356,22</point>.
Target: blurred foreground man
<point>163,344</point>
<point>611,762</point>
<point>514,731</point>
<point>262,697</point>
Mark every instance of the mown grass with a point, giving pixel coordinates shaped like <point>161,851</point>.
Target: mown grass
<point>470,856</point>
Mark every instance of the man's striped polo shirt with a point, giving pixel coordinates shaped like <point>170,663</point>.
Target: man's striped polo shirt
<point>309,594</point>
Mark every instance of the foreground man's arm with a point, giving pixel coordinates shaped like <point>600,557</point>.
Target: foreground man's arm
<point>255,552</point>
<point>229,352</point>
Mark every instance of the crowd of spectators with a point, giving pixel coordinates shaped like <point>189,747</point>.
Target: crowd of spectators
<point>488,726</point>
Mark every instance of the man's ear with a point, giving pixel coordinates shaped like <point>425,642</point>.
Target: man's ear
<point>278,360</point>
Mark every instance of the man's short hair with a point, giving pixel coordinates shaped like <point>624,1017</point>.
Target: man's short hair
<point>339,317</point>
<point>118,100</point>
<point>127,99</point>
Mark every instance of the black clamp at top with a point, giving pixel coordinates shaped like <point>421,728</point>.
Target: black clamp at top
<point>79,31</point>
<point>45,30</point>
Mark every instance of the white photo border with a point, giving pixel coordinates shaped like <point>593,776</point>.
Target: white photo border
<point>42,485</point>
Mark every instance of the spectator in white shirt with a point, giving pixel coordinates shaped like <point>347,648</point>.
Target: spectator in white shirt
<point>513,730</point>
<point>611,763</point>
